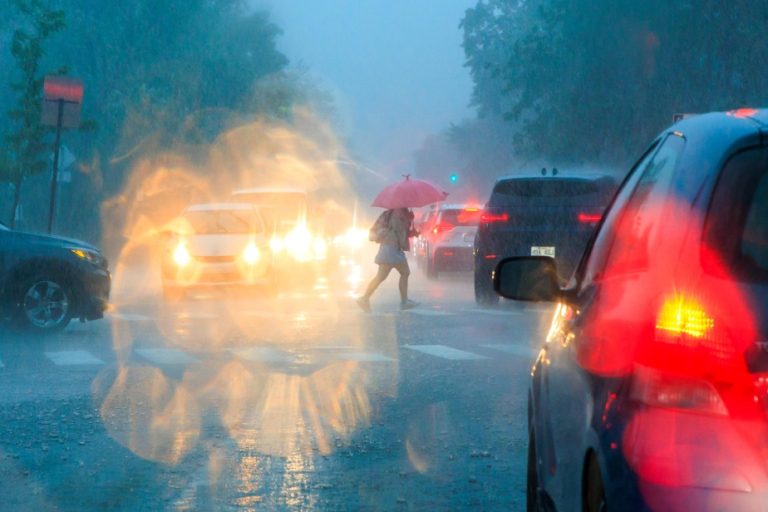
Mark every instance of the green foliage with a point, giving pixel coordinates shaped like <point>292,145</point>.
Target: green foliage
<point>596,80</point>
<point>26,150</point>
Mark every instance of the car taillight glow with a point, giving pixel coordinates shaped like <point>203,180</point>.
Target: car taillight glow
<point>683,321</point>
<point>442,228</point>
<point>589,218</point>
<point>660,389</point>
<point>488,217</point>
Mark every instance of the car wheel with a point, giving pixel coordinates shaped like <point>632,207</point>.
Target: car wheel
<point>44,304</point>
<point>532,502</point>
<point>594,491</point>
<point>484,293</point>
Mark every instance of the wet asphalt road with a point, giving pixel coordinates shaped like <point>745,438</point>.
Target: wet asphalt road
<point>294,402</point>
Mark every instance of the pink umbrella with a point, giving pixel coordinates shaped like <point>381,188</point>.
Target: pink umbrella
<point>409,193</point>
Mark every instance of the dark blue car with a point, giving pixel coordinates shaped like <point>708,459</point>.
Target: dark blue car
<point>650,391</point>
<point>46,281</point>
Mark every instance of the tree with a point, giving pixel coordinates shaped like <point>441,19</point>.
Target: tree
<point>26,150</point>
<point>594,81</point>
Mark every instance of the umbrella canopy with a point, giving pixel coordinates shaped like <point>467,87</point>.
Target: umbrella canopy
<point>409,193</point>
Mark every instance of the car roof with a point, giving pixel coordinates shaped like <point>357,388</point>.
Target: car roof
<point>269,190</point>
<point>561,174</point>
<point>208,207</point>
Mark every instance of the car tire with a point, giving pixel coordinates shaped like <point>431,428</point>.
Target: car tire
<point>594,490</point>
<point>44,304</point>
<point>532,501</point>
<point>484,292</point>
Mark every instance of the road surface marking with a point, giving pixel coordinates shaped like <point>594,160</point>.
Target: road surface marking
<point>197,315</point>
<point>262,355</point>
<point>428,312</point>
<point>515,350</point>
<point>445,352</point>
<point>73,357</point>
<point>166,356</point>
<point>130,317</point>
<point>496,312</point>
<point>371,357</point>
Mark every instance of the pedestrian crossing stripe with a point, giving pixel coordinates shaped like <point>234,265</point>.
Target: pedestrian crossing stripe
<point>365,357</point>
<point>262,355</point>
<point>445,352</point>
<point>130,317</point>
<point>495,312</point>
<point>73,358</point>
<point>515,350</point>
<point>428,312</point>
<point>166,356</point>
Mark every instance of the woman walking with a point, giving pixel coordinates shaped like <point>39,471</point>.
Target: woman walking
<point>394,242</point>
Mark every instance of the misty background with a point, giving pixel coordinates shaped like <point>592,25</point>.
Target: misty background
<point>188,98</point>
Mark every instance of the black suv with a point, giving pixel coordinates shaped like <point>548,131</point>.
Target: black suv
<point>46,281</point>
<point>549,213</point>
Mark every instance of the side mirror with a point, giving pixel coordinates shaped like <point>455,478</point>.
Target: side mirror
<point>527,278</point>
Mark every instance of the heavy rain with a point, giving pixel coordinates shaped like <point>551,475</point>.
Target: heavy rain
<point>335,255</point>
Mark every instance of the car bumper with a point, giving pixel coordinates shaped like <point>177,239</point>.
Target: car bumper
<point>453,258</point>
<point>215,275</point>
<point>94,296</point>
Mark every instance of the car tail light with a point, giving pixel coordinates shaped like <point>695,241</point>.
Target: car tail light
<point>659,389</point>
<point>683,321</point>
<point>589,218</point>
<point>442,228</point>
<point>489,217</point>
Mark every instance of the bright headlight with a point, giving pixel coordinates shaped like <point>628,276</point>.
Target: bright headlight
<point>88,255</point>
<point>251,254</point>
<point>181,255</point>
<point>276,245</point>
<point>319,248</point>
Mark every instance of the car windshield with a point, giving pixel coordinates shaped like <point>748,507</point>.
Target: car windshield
<point>232,222</point>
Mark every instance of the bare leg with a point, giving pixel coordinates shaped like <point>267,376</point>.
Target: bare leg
<point>379,278</point>
<point>405,271</point>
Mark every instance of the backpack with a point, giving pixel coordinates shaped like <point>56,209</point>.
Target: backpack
<point>380,228</point>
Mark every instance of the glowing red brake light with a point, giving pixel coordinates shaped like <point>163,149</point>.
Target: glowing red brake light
<point>442,228</point>
<point>488,217</point>
<point>589,218</point>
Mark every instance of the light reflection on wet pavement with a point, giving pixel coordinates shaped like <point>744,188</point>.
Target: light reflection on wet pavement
<point>262,403</point>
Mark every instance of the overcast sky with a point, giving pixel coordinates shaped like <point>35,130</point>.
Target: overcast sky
<point>395,66</point>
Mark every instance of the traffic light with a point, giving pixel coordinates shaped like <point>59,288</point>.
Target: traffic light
<point>454,177</point>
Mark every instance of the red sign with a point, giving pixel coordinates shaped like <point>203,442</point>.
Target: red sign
<point>62,96</point>
<point>63,88</point>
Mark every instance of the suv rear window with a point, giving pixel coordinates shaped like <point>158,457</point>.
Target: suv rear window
<point>560,191</point>
<point>737,224</point>
<point>461,217</point>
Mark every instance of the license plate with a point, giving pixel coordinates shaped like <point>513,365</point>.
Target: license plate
<point>543,251</point>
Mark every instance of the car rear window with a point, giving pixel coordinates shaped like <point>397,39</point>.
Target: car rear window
<point>462,217</point>
<point>737,223</point>
<point>559,191</point>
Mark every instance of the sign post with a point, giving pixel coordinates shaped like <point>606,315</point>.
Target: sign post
<point>62,97</point>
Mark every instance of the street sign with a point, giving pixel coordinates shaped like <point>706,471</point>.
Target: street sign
<point>62,93</point>
<point>62,96</point>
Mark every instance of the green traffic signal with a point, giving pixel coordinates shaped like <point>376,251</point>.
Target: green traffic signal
<point>454,178</point>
